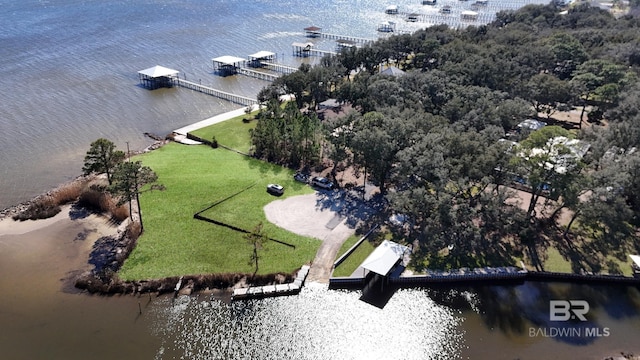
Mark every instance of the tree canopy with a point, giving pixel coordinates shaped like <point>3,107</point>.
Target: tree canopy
<point>102,157</point>
<point>433,140</point>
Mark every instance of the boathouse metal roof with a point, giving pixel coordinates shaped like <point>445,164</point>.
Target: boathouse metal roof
<point>384,257</point>
<point>229,60</point>
<point>262,54</point>
<point>158,71</point>
<point>636,259</point>
<point>312,28</point>
<point>302,45</point>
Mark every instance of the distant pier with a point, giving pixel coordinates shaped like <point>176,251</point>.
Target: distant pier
<point>307,49</point>
<point>279,67</point>
<point>315,32</point>
<point>257,74</point>
<point>345,37</point>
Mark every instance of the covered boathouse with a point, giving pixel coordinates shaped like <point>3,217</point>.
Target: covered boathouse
<point>257,59</point>
<point>158,77</point>
<point>313,31</point>
<point>227,65</point>
<point>384,260</point>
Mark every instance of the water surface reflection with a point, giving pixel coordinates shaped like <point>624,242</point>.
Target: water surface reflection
<point>491,322</point>
<point>317,324</point>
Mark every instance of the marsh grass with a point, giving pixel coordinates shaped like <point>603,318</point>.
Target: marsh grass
<point>48,205</point>
<point>96,199</point>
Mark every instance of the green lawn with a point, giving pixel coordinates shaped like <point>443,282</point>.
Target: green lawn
<point>174,243</point>
<point>555,261</point>
<point>232,133</point>
<point>351,263</point>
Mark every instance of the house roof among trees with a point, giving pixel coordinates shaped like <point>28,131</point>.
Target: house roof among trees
<point>392,71</point>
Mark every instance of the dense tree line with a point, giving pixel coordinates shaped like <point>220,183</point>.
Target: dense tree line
<point>284,135</point>
<point>429,138</point>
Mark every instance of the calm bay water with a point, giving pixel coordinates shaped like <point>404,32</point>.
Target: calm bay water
<point>68,70</point>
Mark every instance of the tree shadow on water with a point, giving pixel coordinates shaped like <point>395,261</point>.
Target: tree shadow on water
<point>524,310</point>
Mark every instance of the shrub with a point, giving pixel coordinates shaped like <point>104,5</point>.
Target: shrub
<point>95,198</point>
<point>91,198</point>
<point>119,213</point>
<point>41,208</point>
<point>68,192</point>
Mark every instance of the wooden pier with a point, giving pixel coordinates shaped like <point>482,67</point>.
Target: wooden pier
<point>238,99</point>
<point>315,32</point>
<point>307,49</point>
<point>258,292</point>
<point>279,67</point>
<point>345,37</point>
<point>257,74</point>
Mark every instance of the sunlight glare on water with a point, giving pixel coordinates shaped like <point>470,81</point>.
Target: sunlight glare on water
<point>317,324</point>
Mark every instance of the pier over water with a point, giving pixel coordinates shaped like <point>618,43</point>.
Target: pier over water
<point>238,99</point>
<point>316,32</point>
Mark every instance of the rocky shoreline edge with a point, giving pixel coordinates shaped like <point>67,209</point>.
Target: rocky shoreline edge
<point>110,252</point>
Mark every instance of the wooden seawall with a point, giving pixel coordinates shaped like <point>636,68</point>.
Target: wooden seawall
<point>495,276</point>
<point>259,292</point>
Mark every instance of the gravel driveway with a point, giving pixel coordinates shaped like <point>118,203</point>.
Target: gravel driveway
<point>308,215</point>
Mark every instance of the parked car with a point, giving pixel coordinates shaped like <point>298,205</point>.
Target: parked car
<point>303,178</point>
<point>275,189</point>
<point>322,183</point>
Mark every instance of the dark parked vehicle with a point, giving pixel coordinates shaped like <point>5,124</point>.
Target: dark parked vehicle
<point>303,178</point>
<point>322,183</point>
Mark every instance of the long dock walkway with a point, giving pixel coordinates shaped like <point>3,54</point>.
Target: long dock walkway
<point>314,52</point>
<point>279,67</point>
<point>238,99</point>
<point>257,74</point>
<point>346,37</point>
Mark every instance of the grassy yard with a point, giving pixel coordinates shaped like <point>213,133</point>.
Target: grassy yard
<point>174,243</point>
<point>232,133</point>
<point>347,267</point>
<point>555,262</point>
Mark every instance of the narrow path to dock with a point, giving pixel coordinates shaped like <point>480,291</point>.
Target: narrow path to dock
<point>322,265</point>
